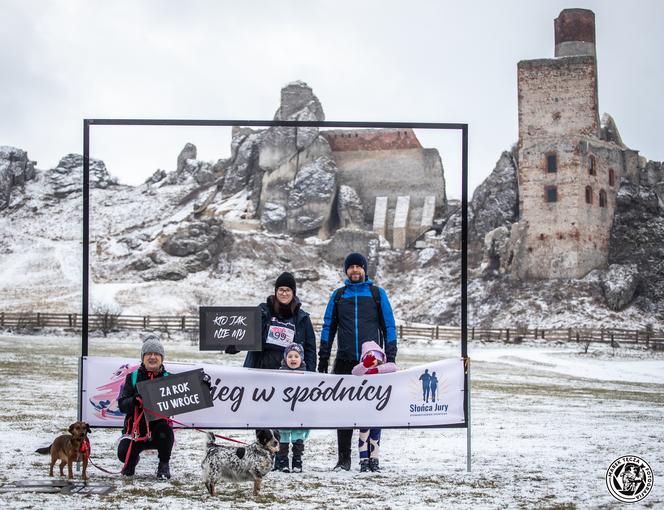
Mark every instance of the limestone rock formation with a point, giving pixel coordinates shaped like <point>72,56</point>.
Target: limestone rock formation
<point>15,169</point>
<point>300,176</point>
<point>496,244</point>
<point>156,177</point>
<point>265,161</point>
<point>243,170</point>
<point>199,243</point>
<point>349,208</point>
<point>171,271</point>
<point>66,178</point>
<point>188,167</point>
<point>306,274</point>
<point>609,130</point>
<point>345,241</point>
<point>495,203</point>
<point>619,283</point>
<point>311,196</point>
<point>298,100</point>
<point>188,152</point>
<point>637,234</point>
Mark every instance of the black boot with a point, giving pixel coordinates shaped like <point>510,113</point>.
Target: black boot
<point>281,459</point>
<point>298,450</point>
<point>373,465</point>
<point>130,467</point>
<point>163,471</point>
<point>342,463</point>
<point>364,465</point>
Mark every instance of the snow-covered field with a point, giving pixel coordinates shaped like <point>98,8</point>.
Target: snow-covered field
<point>547,421</point>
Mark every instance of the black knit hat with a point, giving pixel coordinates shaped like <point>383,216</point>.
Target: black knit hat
<point>286,280</point>
<point>355,259</point>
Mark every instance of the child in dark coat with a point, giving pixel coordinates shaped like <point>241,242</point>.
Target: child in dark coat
<point>293,360</point>
<point>372,361</point>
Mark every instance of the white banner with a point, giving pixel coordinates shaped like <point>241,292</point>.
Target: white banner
<point>424,396</point>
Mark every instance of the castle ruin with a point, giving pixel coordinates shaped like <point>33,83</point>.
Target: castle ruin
<point>401,183</point>
<point>569,164</point>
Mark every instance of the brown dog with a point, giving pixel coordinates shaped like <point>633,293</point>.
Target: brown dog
<point>67,449</point>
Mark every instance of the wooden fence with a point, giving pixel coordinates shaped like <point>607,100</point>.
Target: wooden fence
<point>171,323</point>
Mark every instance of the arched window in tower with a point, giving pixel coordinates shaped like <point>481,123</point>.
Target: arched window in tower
<point>551,163</point>
<point>551,193</point>
<point>602,198</point>
<point>592,170</point>
<point>589,195</point>
<point>612,177</point>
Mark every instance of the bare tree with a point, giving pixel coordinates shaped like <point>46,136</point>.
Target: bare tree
<point>200,297</point>
<point>106,316</point>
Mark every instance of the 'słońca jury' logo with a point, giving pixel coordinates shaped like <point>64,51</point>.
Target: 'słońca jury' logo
<point>427,387</point>
<point>629,479</point>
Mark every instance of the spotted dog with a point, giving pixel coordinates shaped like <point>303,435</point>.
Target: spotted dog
<point>242,464</point>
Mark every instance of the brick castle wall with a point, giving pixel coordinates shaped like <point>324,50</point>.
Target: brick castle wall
<point>558,97</point>
<point>342,140</point>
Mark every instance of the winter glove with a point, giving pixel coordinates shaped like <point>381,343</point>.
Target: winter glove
<point>205,381</point>
<point>371,371</point>
<point>231,350</point>
<point>368,360</point>
<point>136,403</point>
<point>323,365</point>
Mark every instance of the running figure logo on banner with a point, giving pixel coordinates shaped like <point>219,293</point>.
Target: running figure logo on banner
<point>426,391</point>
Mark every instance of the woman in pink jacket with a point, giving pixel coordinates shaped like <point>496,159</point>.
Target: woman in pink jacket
<point>372,361</point>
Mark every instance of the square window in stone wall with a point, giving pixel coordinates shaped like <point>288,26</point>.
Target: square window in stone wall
<point>551,163</point>
<point>551,194</point>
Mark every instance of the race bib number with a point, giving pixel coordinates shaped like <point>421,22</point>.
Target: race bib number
<point>280,333</point>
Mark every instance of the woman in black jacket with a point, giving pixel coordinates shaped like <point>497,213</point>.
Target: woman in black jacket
<point>283,321</point>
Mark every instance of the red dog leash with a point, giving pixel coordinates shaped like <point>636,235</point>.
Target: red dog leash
<point>86,449</point>
<point>154,413</point>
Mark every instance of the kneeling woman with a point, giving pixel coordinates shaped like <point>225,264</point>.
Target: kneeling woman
<point>282,322</point>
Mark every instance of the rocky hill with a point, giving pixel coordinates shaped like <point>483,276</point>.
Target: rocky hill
<point>220,232</point>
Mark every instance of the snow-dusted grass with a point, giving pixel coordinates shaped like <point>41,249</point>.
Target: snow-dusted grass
<point>546,423</point>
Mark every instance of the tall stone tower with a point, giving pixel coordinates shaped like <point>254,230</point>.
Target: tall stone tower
<point>569,164</point>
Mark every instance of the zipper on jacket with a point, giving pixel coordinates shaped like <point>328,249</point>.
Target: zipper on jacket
<point>357,333</point>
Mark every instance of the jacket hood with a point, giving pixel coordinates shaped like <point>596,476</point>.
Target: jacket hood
<point>373,346</point>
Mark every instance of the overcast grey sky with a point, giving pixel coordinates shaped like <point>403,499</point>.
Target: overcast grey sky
<point>378,60</point>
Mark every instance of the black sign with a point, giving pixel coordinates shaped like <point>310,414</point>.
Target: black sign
<point>224,326</point>
<point>175,394</point>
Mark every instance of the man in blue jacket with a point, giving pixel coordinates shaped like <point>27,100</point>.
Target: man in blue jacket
<point>356,313</point>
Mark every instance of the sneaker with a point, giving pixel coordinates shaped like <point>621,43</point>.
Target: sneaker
<point>296,469</point>
<point>364,466</point>
<point>163,471</point>
<point>342,464</point>
<point>373,465</point>
<point>285,469</point>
